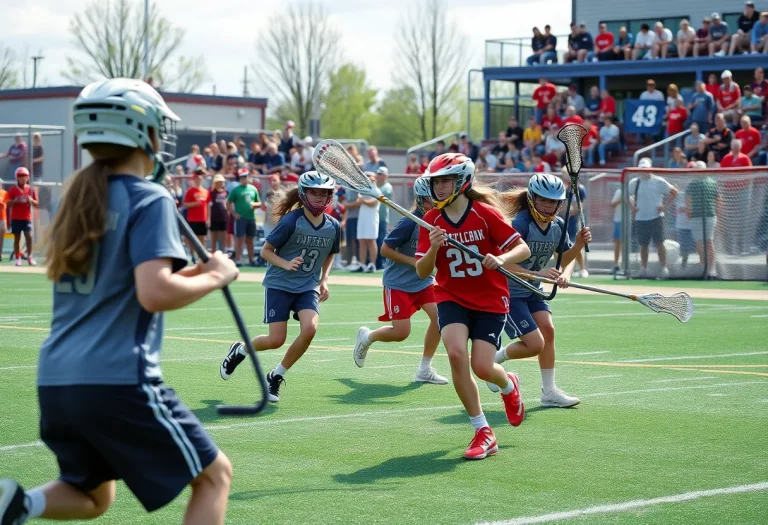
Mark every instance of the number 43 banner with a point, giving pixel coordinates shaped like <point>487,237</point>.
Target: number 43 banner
<point>643,116</point>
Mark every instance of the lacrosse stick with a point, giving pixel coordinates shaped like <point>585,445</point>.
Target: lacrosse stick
<point>679,305</point>
<point>572,136</point>
<point>186,230</point>
<point>332,159</point>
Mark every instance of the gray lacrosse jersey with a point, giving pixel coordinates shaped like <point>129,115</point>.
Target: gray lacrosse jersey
<point>542,243</point>
<point>100,334</point>
<point>398,276</point>
<point>295,236</point>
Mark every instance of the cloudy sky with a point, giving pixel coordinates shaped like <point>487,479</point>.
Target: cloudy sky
<point>226,35</point>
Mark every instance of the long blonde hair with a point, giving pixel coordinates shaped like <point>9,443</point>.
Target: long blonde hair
<point>81,218</point>
<point>482,192</point>
<point>517,200</point>
<point>287,201</point>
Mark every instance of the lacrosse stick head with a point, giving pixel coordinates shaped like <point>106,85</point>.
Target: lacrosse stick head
<point>572,135</point>
<point>331,159</point>
<point>679,305</point>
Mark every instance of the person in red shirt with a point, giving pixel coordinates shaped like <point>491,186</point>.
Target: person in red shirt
<point>713,86</point>
<point>551,119</point>
<point>196,202</point>
<point>604,42</point>
<point>571,117</point>
<point>3,221</point>
<point>607,105</point>
<point>543,95</point>
<point>750,138</point>
<point>589,143</point>
<point>729,99</point>
<point>21,198</point>
<point>676,118</point>
<point>472,299</point>
<point>760,88</point>
<point>735,159</point>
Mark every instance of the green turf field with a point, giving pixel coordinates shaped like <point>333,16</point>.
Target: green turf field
<point>667,410</point>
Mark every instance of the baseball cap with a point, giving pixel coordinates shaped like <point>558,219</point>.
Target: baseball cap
<point>382,170</point>
<point>308,140</point>
<point>645,162</point>
<point>715,16</point>
<point>462,135</point>
<point>199,170</point>
<point>219,178</point>
<point>749,4</point>
<point>242,172</point>
<point>726,74</point>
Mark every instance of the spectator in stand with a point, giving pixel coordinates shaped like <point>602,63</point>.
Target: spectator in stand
<point>208,157</point>
<point>217,162</point>
<point>551,119</point>
<point>537,44</point>
<point>466,147</point>
<point>592,109</point>
<point>752,105</point>
<point>453,147</point>
<point>643,42</point>
<point>729,99</point>
<point>750,139</point>
<point>575,99</point>
<point>386,189</point>
<point>673,96</point>
<point>481,164</point>
<point>501,148</point>
<point>512,157</point>
<point>735,159</point>
<point>651,93</point>
<point>703,204</point>
<point>742,39</point>
<point>554,149</point>
<point>702,107</point>
<point>573,44</point>
<point>256,158</point>
<point>624,44</point>
<point>367,230</point>
<point>713,86</point>
<point>663,43</point>
<point>533,137</point>
<point>196,203</point>
<point>703,39</point>
<point>760,88</point>
<point>440,148</point>
<point>515,133</point>
<point>759,35</point>
<point>572,220</point>
<point>241,203</point>
<point>217,198</point>
<point>585,43</point>
<point>413,167</point>
<point>604,44</point>
<point>676,118</point>
<point>686,39</point>
<point>610,140</point>
<point>589,143</point>
<point>273,159</point>
<point>550,46</point>
<point>538,165</point>
<point>720,35</point>
<point>272,195</point>
<point>719,138</point>
<point>762,157</point>
<point>712,162</point>
<point>678,160</point>
<point>423,164</point>
<point>607,105</point>
<point>571,117</point>
<point>692,141</point>
<point>179,170</point>
<point>241,149</point>
<point>543,95</point>
<point>616,205</point>
<point>3,219</point>
<point>17,155</point>
<point>288,139</point>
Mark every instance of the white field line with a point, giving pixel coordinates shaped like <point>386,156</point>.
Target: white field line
<point>397,412</point>
<point>589,353</point>
<point>609,376</point>
<point>759,316</point>
<point>630,505</point>
<point>681,379</point>
<point>684,357</point>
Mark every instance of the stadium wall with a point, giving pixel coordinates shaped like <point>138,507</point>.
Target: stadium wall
<point>591,12</point>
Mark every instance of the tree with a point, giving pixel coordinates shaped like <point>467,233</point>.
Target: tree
<point>347,111</point>
<point>432,61</point>
<point>8,72</point>
<point>111,36</point>
<point>398,123</point>
<point>295,56</point>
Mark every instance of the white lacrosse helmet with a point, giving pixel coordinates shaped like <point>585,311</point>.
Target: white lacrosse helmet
<point>422,192</point>
<point>546,186</point>
<point>313,179</point>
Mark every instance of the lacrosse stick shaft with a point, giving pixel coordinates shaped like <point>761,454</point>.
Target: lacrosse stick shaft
<point>576,285</point>
<point>582,222</point>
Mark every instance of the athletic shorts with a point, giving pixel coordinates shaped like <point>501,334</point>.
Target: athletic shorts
<point>484,326</point>
<point>199,228</point>
<point>402,305</point>
<point>245,228</point>
<point>141,434</point>
<point>278,304</point>
<point>519,320</point>
<point>573,227</point>
<point>685,239</point>
<point>616,231</point>
<point>351,231</point>
<point>218,226</point>
<point>650,230</point>
<point>703,228</point>
<point>18,226</point>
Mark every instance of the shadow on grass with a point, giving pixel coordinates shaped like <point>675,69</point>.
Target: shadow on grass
<point>403,467</point>
<point>496,418</point>
<point>371,393</point>
<point>208,414</point>
<point>256,494</point>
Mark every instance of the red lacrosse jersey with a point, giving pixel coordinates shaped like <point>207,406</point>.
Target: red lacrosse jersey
<point>461,278</point>
<point>21,211</point>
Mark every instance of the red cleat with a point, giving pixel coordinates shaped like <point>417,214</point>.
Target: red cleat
<point>513,403</point>
<point>482,445</point>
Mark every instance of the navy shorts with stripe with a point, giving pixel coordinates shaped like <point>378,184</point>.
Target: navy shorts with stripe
<point>18,226</point>
<point>482,325</point>
<point>141,434</point>
<point>278,304</point>
<point>520,317</point>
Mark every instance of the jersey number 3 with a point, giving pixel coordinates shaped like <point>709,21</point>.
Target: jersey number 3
<point>471,266</point>
<point>310,258</point>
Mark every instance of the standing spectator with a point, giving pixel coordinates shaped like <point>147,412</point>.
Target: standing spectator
<point>217,198</point>
<point>575,99</point>
<point>196,203</point>
<point>553,147</point>
<point>217,164</point>
<point>550,46</point>
<point>729,99</point>
<point>551,119</point>
<point>192,163</point>
<point>752,105</point>
<point>742,39</point>
<point>3,218</point>
<point>374,162</point>
<point>537,44</point>
<point>17,155</point>
<point>533,137</point>
<point>617,219</point>
<point>662,44</point>
<point>719,138</point>
<point>368,230</point>
<point>573,218</point>
<point>683,227</point>
<point>352,248</point>
<point>514,133</point>
<point>413,166</point>
<point>676,118</point>
<point>759,35</point>
<point>760,88</point>
<point>678,160</point>
<point>208,158</point>
<point>538,165</point>
<point>423,164</point>
<point>288,139</point>
<point>692,141</point>
<point>686,39</point>
<point>703,201</point>
<point>592,109</point>
<point>610,140</point>
<point>21,197</point>
<point>388,191</point>
<point>735,159</point>
<point>750,139</point>
<point>440,147</point>
<point>651,93</point>
<point>270,198</point>
<point>607,105</point>
<point>589,143</point>
<point>643,42</point>
<point>543,95</point>
<point>720,35</point>
<point>573,44</point>
<point>624,44</point>
<point>37,158</point>
<point>702,107</point>
<point>703,39</point>
<point>604,44</point>
<point>241,203</point>
<point>571,117</point>
<point>673,96</point>
<point>501,148</point>
<point>649,197</point>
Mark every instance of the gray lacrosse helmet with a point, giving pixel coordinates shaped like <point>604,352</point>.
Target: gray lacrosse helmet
<point>121,111</point>
<point>313,179</point>
<point>547,186</point>
<point>422,191</point>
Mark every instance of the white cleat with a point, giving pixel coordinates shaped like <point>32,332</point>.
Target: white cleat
<point>361,346</point>
<point>556,398</point>
<point>583,274</point>
<point>430,376</point>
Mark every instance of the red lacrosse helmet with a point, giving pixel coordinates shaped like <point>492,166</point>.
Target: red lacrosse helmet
<point>457,165</point>
<point>21,172</point>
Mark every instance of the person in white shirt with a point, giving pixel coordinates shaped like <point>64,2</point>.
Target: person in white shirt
<point>368,229</point>
<point>643,42</point>
<point>686,38</point>
<point>651,93</point>
<point>660,47</point>
<point>649,197</point>
<point>616,205</point>
<point>609,139</point>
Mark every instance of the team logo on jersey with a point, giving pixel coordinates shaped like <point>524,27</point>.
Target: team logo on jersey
<point>397,309</point>
<point>524,324</point>
<point>314,241</point>
<point>272,313</point>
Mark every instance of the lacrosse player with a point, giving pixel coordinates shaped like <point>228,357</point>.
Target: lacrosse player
<point>299,252</point>
<point>405,292</point>
<point>529,319</point>
<point>117,263</point>
<point>472,299</point>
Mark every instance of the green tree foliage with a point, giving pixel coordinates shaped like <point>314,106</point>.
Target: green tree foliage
<point>348,104</point>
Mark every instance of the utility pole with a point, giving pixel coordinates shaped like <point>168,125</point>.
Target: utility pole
<point>246,82</point>
<point>35,60</point>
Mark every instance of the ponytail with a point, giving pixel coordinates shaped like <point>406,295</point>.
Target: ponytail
<point>517,200</point>
<point>287,201</point>
<point>502,201</point>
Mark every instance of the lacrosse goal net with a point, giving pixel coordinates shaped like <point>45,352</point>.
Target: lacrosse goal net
<point>727,206</point>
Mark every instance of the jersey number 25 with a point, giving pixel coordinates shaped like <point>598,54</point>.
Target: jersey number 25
<point>462,264</point>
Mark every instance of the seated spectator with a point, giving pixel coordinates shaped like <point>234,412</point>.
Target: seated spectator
<point>692,141</point>
<point>762,157</point>
<point>711,161</point>
<point>720,34</point>
<point>702,152</point>
<point>537,44</point>
<point>573,45</point>
<point>453,147</point>
<point>729,99</point>
<point>550,46</point>
<point>741,40</point>
<point>589,143</point>
<point>702,107</point>
<point>713,86</point>
<point>551,119</point>
<point>543,95</point>
<point>750,138</point>
<point>592,105</point>
<point>686,38</point>
<point>760,88</point>
<point>273,160</point>
<point>485,161</point>
<point>560,102</point>
<point>538,165</point>
<point>439,149</point>
<point>607,105</point>
<point>678,160</point>
<point>676,119</point>
<point>413,165</point>
<point>423,163</point>
<point>643,42</point>
<point>651,93</point>
<point>525,165</point>
<point>610,139</point>
<point>533,137</point>
<point>624,44</point>
<point>586,44</point>
<point>217,164</point>
<point>501,147</point>
<point>703,39</point>
<point>719,137</point>
<point>673,96</point>
<point>571,117</point>
<point>759,35</point>
<point>466,147</point>
<point>735,159</point>
<point>554,149</point>
<point>256,157</point>
<point>752,105</point>
<point>663,43</point>
<point>512,157</point>
<point>604,44</point>
<point>515,133</point>
<point>575,99</point>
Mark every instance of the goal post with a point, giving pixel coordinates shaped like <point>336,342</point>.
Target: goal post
<point>716,226</point>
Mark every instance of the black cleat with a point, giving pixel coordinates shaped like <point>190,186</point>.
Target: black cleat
<point>274,381</point>
<point>235,356</point>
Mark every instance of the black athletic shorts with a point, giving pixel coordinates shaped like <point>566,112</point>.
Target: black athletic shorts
<point>650,230</point>
<point>218,226</point>
<point>199,228</point>
<point>482,325</point>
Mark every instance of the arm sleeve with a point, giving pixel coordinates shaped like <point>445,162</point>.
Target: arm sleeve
<point>400,234</point>
<point>502,233</point>
<point>154,234</point>
<point>337,241</point>
<point>282,231</point>
<point>520,223</point>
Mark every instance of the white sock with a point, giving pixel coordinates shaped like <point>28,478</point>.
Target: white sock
<point>367,337</point>
<point>34,502</point>
<point>478,421</point>
<point>279,370</point>
<point>509,388</point>
<point>547,379</point>
<point>501,355</point>
<point>241,349</point>
<point>426,363</point>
